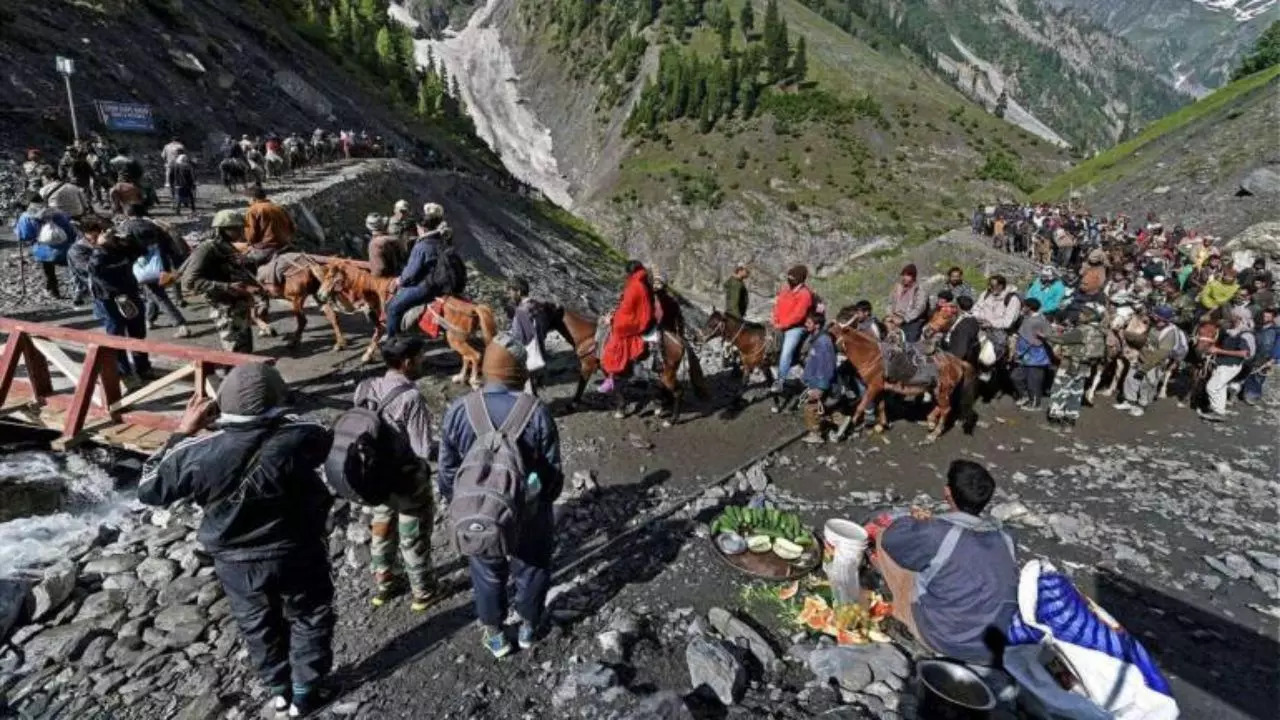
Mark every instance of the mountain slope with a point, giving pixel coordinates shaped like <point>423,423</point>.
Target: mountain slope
<point>1189,166</point>
<point>872,148</point>
<point>1194,43</point>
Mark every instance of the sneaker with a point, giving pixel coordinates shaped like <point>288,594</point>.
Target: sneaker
<point>496,642</point>
<point>386,592</point>
<point>813,438</point>
<point>1211,416</point>
<point>310,703</point>
<point>280,701</point>
<point>1031,406</point>
<point>1022,404</point>
<point>182,331</point>
<point>777,387</point>
<point>1122,405</point>
<point>1137,411</point>
<point>525,638</point>
<point>607,386</point>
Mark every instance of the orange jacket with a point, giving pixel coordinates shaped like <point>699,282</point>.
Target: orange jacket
<point>791,306</point>
<point>633,316</point>
<point>267,225</point>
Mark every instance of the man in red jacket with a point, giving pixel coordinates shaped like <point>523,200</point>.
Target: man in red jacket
<point>790,308</point>
<point>630,321</point>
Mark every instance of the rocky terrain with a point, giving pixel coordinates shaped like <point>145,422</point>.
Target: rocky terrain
<point>1196,44</point>
<point>1214,165</point>
<point>1167,522</point>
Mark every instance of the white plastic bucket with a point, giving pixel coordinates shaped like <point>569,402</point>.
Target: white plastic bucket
<point>843,543</point>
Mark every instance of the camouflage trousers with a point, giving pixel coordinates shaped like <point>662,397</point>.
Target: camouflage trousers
<point>231,320</point>
<point>405,521</point>
<point>1067,394</point>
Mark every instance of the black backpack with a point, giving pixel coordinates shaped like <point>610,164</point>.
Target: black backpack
<point>369,459</point>
<point>449,274</point>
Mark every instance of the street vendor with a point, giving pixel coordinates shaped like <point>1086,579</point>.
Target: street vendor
<point>954,577</point>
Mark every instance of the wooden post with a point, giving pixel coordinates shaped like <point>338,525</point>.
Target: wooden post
<point>37,371</point>
<point>9,362</point>
<point>84,391</point>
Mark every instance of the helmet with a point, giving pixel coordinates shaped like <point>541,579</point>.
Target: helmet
<point>432,211</point>
<point>227,219</point>
<point>375,222</point>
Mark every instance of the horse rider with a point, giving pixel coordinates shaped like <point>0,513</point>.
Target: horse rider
<point>386,254</point>
<point>735,293</point>
<point>998,311</point>
<point>790,308</point>
<point>627,327</point>
<point>414,287</point>
<point>909,300</point>
<point>215,270</point>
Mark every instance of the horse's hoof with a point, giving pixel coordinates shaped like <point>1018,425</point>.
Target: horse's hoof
<point>877,429</point>
<point>339,348</point>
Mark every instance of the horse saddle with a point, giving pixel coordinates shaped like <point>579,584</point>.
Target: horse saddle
<point>907,366</point>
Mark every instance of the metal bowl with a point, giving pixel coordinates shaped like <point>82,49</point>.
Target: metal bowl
<point>731,543</point>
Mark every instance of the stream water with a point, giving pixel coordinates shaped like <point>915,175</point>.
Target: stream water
<point>89,499</point>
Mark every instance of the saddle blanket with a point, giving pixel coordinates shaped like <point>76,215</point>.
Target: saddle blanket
<point>272,271</point>
<point>432,314</point>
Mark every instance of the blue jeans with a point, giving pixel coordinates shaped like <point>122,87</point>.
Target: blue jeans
<point>116,324</point>
<point>404,300</point>
<point>791,340</point>
<point>530,565</point>
<point>1252,389</point>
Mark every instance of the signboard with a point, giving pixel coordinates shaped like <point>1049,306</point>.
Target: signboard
<point>125,117</point>
<point>66,66</point>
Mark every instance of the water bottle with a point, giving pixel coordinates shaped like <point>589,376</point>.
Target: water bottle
<point>532,487</point>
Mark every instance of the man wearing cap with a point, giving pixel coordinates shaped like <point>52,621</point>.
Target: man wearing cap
<point>1049,289</point>
<point>1234,347</point>
<point>909,300</point>
<point>539,447</point>
<point>214,270</point>
<point>256,477</point>
<point>407,515</point>
<point>414,288</point>
<point>1079,349</point>
<point>386,258</point>
<point>1143,380</point>
<point>400,225</point>
<point>790,308</point>
<point>1093,277</point>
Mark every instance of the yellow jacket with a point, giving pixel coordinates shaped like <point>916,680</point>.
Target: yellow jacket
<point>1216,293</point>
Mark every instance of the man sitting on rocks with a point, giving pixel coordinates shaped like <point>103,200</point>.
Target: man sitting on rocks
<point>265,508</point>
<point>954,577</point>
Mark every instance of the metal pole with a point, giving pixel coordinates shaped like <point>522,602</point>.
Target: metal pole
<point>71,102</point>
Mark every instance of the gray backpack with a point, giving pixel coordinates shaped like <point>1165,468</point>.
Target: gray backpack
<point>489,489</point>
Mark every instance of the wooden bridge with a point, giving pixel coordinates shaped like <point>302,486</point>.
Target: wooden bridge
<point>66,380</point>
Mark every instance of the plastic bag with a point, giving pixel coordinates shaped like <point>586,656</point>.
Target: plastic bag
<point>149,267</point>
<point>533,357</point>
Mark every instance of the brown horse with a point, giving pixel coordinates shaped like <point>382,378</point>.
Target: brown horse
<point>863,352</point>
<point>355,287</point>
<point>754,342</point>
<point>461,319</point>
<point>580,331</point>
<point>298,276</point>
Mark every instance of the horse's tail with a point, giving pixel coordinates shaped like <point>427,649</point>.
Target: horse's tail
<point>696,378</point>
<point>968,398</point>
<point>488,327</point>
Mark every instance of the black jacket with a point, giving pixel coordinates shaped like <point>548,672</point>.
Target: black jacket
<point>108,268</point>
<point>962,341</point>
<point>279,507</point>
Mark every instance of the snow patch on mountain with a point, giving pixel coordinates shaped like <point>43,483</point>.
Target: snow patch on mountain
<point>1242,10</point>
<point>984,82</point>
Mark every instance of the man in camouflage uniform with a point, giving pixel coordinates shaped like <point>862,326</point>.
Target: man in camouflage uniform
<point>215,271</point>
<point>1080,349</point>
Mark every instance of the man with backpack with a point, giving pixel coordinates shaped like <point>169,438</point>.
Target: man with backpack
<point>159,248</point>
<point>64,196</point>
<point>408,511</point>
<point>49,233</point>
<point>265,506</point>
<point>428,273</point>
<point>953,577</point>
<point>500,473</point>
<point>1165,343</point>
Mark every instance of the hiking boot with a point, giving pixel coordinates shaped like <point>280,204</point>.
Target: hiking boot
<point>1137,411</point>
<point>309,702</point>
<point>526,637</point>
<point>1211,416</point>
<point>495,640</point>
<point>386,592</point>
<point>777,388</point>
<point>1031,406</point>
<point>813,438</point>
<point>182,331</point>
<point>425,599</point>
<point>1021,404</point>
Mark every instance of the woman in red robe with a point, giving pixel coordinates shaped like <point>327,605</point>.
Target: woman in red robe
<point>630,321</point>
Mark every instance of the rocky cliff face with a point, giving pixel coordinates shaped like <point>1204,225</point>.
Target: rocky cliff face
<point>1194,43</point>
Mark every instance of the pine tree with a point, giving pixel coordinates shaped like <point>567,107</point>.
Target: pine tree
<point>799,62</point>
<point>734,83</point>
<point>777,53</point>
<point>373,12</point>
<point>382,46</point>
<point>425,104</point>
<point>311,12</point>
<point>747,18</point>
<point>724,26</point>
<point>454,90</point>
<point>337,28</point>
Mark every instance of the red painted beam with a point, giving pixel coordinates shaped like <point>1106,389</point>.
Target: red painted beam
<point>63,401</point>
<point>155,347</point>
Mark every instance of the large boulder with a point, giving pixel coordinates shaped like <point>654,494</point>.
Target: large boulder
<point>1261,182</point>
<point>15,605</point>
<point>52,591</point>
<point>714,665</point>
<point>26,496</point>
<point>743,634</point>
<point>855,667</point>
